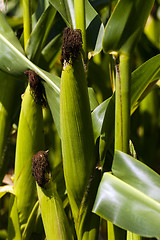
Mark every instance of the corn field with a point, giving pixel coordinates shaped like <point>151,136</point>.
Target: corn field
<point>79,119</point>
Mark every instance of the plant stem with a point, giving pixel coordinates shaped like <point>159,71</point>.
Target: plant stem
<point>79,6</point>
<point>122,115</point>
<point>26,20</point>
<point>122,109</point>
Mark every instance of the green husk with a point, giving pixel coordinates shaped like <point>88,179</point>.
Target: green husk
<point>29,141</point>
<point>88,222</point>
<point>76,133</point>
<point>78,150</point>
<point>53,216</point>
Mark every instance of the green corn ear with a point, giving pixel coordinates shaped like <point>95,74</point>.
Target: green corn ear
<point>76,133</point>
<point>55,222</point>
<point>30,139</point>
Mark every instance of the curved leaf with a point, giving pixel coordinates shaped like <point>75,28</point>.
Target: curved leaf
<point>98,117</point>
<point>10,49</point>
<point>92,98</point>
<point>40,33</point>
<point>127,207</point>
<point>136,174</point>
<point>66,9</point>
<point>124,27</point>
<point>13,60</point>
<point>6,189</point>
<point>50,52</point>
<point>30,222</point>
<point>14,232</point>
<point>130,198</point>
<point>142,81</point>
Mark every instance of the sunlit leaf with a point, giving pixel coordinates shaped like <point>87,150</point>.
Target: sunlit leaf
<point>130,197</point>
<point>142,81</point>
<point>124,27</point>
<point>6,189</point>
<point>40,33</point>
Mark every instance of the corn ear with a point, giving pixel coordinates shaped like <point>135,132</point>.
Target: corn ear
<point>29,141</point>
<point>55,222</point>
<point>76,133</point>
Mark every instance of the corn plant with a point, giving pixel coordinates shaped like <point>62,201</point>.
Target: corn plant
<point>79,111</point>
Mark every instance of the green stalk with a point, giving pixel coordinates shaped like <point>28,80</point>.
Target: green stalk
<point>122,115</point>
<point>79,7</point>
<point>122,108</point>
<point>27,23</point>
<point>122,120</point>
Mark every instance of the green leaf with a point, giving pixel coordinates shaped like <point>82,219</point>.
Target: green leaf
<point>13,60</point>
<point>125,26</point>
<point>40,33</point>
<point>50,52</point>
<point>94,28</point>
<point>53,98</point>
<point>11,51</point>
<point>142,81</point>
<point>30,222</point>
<point>14,231</point>
<point>98,117</point>
<point>92,98</point>
<point>16,63</point>
<point>66,9</point>
<point>6,189</point>
<point>130,204</point>
<point>94,25</point>
<point>136,174</point>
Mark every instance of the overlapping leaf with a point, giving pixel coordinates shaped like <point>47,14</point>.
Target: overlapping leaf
<point>124,27</point>
<point>142,81</point>
<point>40,33</point>
<point>130,197</point>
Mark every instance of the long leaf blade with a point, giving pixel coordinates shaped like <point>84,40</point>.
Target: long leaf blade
<point>127,207</point>
<point>136,174</point>
<point>124,27</point>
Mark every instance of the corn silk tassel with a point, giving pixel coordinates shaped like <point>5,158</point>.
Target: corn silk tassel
<point>77,138</point>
